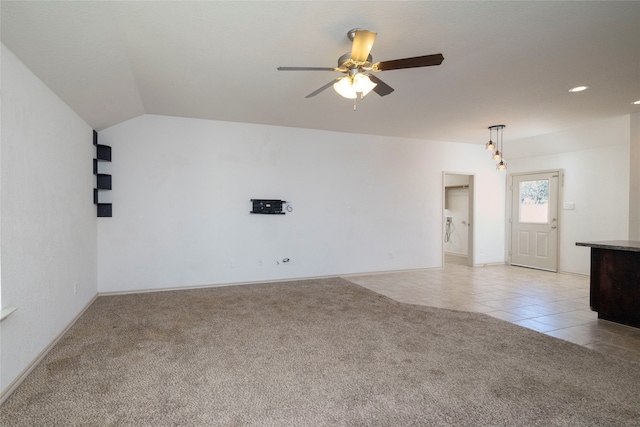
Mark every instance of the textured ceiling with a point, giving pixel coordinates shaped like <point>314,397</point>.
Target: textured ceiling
<point>505,62</point>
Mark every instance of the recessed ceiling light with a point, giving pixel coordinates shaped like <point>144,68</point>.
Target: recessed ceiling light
<point>636,102</point>
<point>579,88</point>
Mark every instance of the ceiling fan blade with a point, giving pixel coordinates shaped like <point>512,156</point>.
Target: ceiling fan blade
<point>306,69</point>
<point>416,61</point>
<point>362,44</point>
<point>317,91</point>
<point>381,88</point>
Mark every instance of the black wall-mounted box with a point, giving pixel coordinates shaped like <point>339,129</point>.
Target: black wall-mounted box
<point>267,206</point>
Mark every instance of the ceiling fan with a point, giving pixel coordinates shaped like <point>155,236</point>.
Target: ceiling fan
<point>357,65</point>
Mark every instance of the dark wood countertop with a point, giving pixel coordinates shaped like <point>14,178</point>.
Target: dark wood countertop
<point>615,245</point>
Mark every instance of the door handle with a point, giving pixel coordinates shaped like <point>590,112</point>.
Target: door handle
<point>554,226</point>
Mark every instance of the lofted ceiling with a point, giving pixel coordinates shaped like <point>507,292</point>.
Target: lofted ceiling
<point>506,63</point>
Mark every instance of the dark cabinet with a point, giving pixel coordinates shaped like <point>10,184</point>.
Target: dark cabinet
<point>615,281</point>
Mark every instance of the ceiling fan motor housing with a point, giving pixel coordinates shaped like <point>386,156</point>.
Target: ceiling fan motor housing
<point>345,63</point>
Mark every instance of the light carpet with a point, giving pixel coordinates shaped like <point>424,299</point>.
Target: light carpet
<point>314,353</point>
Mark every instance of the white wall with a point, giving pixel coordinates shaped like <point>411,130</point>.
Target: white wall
<point>361,203</point>
<point>48,219</point>
<point>596,180</point>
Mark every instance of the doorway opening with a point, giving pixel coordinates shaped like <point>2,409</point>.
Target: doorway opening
<point>457,224</point>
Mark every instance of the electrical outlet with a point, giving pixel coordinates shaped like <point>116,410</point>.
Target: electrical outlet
<point>75,289</point>
<point>230,263</point>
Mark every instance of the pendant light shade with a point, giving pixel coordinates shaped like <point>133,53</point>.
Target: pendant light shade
<point>490,145</point>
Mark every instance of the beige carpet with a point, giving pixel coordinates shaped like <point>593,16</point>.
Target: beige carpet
<point>314,353</point>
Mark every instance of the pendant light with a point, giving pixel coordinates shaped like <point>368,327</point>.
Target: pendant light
<point>490,146</point>
<point>501,166</point>
<point>497,155</point>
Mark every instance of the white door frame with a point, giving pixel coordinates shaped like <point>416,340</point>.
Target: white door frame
<point>471,223</point>
<point>509,210</point>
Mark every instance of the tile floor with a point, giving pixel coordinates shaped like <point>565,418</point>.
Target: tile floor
<point>555,304</point>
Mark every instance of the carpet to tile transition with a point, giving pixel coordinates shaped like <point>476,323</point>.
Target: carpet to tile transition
<point>313,353</point>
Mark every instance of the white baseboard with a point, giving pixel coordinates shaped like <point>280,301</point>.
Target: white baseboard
<point>26,371</point>
<point>255,282</point>
<point>456,254</point>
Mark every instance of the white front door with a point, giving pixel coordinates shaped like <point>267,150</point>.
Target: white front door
<point>534,220</point>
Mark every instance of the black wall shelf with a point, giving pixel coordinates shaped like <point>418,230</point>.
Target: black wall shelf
<point>103,152</point>
<point>103,180</point>
<point>104,210</point>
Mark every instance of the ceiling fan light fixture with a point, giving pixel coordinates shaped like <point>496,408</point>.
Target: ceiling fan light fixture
<point>345,88</point>
<point>358,60</point>
<point>363,84</point>
<point>350,86</point>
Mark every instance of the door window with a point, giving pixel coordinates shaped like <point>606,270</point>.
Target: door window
<point>534,202</point>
